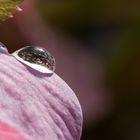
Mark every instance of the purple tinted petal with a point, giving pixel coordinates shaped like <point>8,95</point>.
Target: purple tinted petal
<point>42,106</point>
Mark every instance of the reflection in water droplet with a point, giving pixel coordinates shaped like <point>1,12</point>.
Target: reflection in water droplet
<point>3,48</point>
<point>36,58</point>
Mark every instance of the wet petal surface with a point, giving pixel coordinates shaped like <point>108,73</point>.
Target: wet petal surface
<point>43,107</point>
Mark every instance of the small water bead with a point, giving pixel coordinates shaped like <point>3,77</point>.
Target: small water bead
<point>3,48</point>
<point>37,58</point>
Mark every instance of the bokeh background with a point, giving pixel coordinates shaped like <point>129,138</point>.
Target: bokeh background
<point>96,44</point>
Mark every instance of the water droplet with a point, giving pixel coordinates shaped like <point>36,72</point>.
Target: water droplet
<point>37,58</point>
<point>3,48</point>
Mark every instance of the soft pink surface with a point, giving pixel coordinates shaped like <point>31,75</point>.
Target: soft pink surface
<point>8,132</point>
<point>39,105</point>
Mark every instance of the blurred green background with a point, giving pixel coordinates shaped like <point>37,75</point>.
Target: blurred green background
<point>100,43</point>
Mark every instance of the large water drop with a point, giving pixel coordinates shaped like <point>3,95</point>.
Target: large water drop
<point>37,58</point>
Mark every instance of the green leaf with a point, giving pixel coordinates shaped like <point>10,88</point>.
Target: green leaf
<point>7,8</point>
